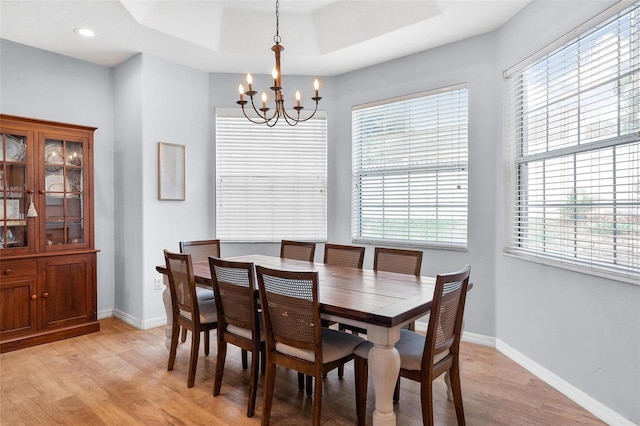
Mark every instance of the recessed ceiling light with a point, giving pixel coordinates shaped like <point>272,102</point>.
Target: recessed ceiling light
<point>85,32</point>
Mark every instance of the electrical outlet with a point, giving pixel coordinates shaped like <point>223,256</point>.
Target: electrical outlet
<point>158,283</point>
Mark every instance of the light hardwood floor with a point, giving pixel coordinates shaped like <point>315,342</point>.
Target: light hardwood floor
<point>119,377</point>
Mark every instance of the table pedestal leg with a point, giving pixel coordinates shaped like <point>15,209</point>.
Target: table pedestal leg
<point>384,366</point>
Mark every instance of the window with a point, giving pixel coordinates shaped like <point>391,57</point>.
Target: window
<point>270,181</point>
<point>573,150</point>
<point>410,166</point>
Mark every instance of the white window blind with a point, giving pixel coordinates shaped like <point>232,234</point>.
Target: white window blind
<point>573,151</point>
<point>410,169</point>
<point>270,181</point>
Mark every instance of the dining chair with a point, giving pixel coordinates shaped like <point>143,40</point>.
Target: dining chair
<point>297,250</point>
<point>425,358</point>
<point>344,255</point>
<point>349,257</point>
<point>238,319</point>
<point>200,250</point>
<point>398,260</point>
<point>188,312</point>
<point>294,337</point>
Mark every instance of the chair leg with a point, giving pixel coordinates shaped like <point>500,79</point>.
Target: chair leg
<point>267,399</point>
<point>193,362</point>
<point>317,399</point>
<point>206,342</point>
<point>175,335</point>
<point>361,376</point>
<point>310,385</point>
<point>253,384</point>
<point>457,393</point>
<point>396,391</point>
<point>340,371</point>
<point>300,381</point>
<point>426,397</point>
<point>183,338</point>
<point>244,359</point>
<point>220,360</point>
<point>263,359</point>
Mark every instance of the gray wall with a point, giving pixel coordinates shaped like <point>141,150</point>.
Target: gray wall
<point>583,329</point>
<point>35,83</point>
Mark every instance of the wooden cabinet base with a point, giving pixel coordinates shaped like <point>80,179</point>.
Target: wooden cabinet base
<point>48,336</point>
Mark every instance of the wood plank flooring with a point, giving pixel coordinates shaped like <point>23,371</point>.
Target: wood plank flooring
<point>119,377</point>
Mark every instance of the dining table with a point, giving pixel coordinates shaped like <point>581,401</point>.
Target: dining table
<point>380,302</point>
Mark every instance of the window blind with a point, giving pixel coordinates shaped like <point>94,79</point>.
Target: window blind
<point>410,169</point>
<point>270,181</point>
<point>573,151</point>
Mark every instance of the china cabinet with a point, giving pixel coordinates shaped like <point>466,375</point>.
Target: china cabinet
<point>47,251</point>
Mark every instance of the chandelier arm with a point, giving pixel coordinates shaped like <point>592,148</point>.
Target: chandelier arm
<point>261,114</point>
<point>300,120</point>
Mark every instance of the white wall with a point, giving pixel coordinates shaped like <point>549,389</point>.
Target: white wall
<point>38,84</point>
<point>157,101</point>
<point>583,329</point>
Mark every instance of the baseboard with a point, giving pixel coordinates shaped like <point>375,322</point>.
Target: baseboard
<point>587,402</point>
<point>479,339</point>
<point>107,313</point>
<point>155,322</point>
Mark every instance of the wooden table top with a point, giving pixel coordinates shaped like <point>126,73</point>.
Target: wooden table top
<point>379,298</point>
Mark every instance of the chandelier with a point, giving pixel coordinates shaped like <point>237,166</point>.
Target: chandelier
<point>262,115</point>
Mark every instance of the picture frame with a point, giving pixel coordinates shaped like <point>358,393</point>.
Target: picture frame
<point>171,171</point>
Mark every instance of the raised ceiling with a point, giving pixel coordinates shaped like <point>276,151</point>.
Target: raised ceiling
<point>321,37</point>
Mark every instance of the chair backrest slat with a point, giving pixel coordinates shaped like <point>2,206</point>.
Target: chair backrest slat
<point>289,300</point>
<point>397,260</point>
<point>344,255</point>
<point>445,320</point>
<point>182,283</point>
<point>297,250</point>
<point>234,290</point>
<point>201,250</point>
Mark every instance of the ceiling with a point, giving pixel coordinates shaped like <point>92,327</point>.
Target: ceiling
<point>321,37</point>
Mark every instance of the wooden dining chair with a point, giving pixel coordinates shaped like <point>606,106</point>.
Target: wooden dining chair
<point>294,336</point>
<point>188,312</point>
<point>349,257</point>
<point>425,358</point>
<point>344,255</point>
<point>297,250</point>
<point>400,261</point>
<point>238,319</point>
<point>200,250</point>
<point>397,260</point>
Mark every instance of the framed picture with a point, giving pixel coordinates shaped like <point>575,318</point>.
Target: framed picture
<point>171,171</point>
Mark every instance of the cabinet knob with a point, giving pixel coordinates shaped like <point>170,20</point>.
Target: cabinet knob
<point>42,191</point>
<point>45,295</point>
<point>7,271</point>
<point>34,296</point>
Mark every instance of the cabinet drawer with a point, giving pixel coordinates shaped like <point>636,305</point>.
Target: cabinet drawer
<point>17,268</point>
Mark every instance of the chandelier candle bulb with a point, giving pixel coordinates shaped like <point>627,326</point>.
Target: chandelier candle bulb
<point>241,90</point>
<point>298,98</point>
<point>264,100</point>
<point>249,81</point>
<point>316,86</point>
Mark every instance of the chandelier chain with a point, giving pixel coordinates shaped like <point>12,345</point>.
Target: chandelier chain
<point>277,37</point>
<point>279,111</point>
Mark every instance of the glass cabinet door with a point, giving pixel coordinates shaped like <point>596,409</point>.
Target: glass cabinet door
<point>14,191</point>
<point>64,193</point>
